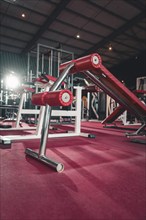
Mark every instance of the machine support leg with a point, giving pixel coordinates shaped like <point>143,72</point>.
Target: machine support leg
<point>55,165</point>
<point>138,132</point>
<point>20,110</point>
<point>45,128</point>
<point>78,108</point>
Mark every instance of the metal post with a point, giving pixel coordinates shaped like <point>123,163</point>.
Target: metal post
<point>20,109</point>
<point>28,66</point>
<point>88,105</point>
<point>47,113</point>
<point>42,63</point>
<point>51,63</point>
<point>45,128</point>
<point>59,62</point>
<point>38,60</point>
<point>78,109</point>
<point>40,121</point>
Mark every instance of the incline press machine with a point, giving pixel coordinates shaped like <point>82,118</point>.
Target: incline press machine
<point>92,68</point>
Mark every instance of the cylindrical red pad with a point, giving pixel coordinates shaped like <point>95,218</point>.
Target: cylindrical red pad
<point>28,89</point>
<point>38,98</point>
<point>92,88</point>
<point>56,98</point>
<point>88,62</point>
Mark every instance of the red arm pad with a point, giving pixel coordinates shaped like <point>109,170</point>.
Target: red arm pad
<point>92,88</point>
<point>28,89</point>
<point>56,98</point>
<point>40,80</point>
<point>50,78</point>
<point>43,80</point>
<point>139,92</point>
<point>38,98</point>
<point>88,62</point>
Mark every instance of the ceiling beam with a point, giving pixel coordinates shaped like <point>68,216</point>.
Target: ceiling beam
<point>105,10</point>
<point>46,24</point>
<point>78,28</point>
<point>116,33</point>
<point>96,22</point>
<point>10,45</point>
<point>15,29</point>
<point>92,33</point>
<point>16,19</point>
<point>12,38</point>
<point>90,19</point>
<point>136,4</point>
<point>17,5</point>
<point>124,44</point>
<point>112,13</point>
<point>70,37</point>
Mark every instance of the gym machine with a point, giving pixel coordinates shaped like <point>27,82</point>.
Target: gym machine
<point>92,68</point>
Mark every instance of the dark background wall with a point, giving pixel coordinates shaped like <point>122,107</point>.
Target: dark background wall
<point>131,69</point>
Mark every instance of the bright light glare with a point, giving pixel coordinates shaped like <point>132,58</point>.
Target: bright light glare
<point>110,48</point>
<point>23,15</point>
<point>77,36</point>
<point>12,82</point>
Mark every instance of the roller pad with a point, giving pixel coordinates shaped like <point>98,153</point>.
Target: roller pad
<point>89,62</point>
<point>38,99</point>
<point>56,98</point>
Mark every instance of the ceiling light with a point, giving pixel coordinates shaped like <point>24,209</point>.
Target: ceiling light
<point>110,48</point>
<point>78,36</point>
<point>23,15</point>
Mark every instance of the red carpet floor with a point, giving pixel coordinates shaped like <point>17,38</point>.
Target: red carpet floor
<point>104,179</point>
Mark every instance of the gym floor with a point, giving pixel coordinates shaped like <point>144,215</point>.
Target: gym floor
<point>104,178</point>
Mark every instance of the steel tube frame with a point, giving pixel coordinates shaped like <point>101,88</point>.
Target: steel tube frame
<point>138,132</point>
<point>37,135</point>
<point>99,83</point>
<point>46,122</point>
<point>58,166</point>
<point>52,48</point>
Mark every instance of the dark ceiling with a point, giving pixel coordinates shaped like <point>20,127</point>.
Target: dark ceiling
<point>100,24</point>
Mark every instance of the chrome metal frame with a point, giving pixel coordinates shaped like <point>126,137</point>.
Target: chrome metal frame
<point>41,156</point>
